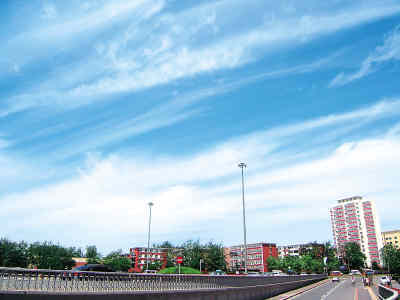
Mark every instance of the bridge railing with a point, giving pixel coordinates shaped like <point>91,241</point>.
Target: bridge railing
<point>72,281</point>
<point>387,293</point>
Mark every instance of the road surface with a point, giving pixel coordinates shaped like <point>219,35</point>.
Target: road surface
<point>342,290</point>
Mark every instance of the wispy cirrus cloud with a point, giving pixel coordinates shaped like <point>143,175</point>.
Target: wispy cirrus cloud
<point>103,129</point>
<point>390,50</point>
<point>177,46</point>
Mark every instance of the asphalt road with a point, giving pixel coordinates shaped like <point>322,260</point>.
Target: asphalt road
<point>343,290</point>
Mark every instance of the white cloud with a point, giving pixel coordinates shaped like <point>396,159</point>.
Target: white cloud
<point>390,50</point>
<point>229,52</point>
<point>49,11</point>
<point>107,202</point>
<point>150,52</point>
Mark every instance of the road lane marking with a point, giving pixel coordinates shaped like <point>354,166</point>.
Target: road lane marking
<point>306,290</point>
<point>356,294</point>
<point>332,290</point>
<point>372,294</point>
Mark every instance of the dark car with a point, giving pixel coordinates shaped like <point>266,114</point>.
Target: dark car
<point>93,268</point>
<point>76,272</point>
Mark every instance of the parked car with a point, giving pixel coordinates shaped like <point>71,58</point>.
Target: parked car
<point>384,280</point>
<point>93,268</point>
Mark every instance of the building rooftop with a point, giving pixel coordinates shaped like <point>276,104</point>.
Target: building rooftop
<point>391,231</point>
<point>354,198</point>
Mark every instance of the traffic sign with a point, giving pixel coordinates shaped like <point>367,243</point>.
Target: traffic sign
<point>179,259</point>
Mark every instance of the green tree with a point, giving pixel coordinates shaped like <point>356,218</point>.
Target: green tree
<point>46,255</point>
<point>76,252</point>
<point>117,262</point>
<point>353,256</point>
<point>317,266</point>
<point>273,263</point>
<point>306,263</point>
<point>213,257</point>
<point>192,253</point>
<point>332,262</point>
<point>391,258</point>
<point>292,263</point>
<point>13,254</point>
<point>92,254</point>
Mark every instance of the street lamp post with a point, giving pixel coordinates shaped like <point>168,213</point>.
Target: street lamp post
<point>242,166</point>
<point>148,237</point>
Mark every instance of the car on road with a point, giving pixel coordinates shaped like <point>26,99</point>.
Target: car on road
<point>76,272</point>
<point>336,273</point>
<point>93,268</point>
<point>384,280</point>
<point>335,279</point>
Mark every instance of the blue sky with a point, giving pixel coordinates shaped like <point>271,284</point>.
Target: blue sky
<point>105,106</point>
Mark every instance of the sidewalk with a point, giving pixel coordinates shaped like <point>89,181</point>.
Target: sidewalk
<point>299,291</point>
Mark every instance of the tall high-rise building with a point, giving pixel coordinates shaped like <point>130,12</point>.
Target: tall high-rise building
<point>356,220</point>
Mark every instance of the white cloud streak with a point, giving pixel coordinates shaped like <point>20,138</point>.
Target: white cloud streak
<point>203,189</point>
<point>390,50</point>
<point>169,48</point>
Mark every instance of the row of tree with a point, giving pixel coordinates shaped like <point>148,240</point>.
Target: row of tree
<point>210,255</point>
<point>310,260</point>
<point>47,255</point>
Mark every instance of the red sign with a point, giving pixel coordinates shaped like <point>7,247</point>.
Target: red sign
<point>179,259</point>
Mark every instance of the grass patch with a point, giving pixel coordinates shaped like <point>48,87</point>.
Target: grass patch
<point>174,270</point>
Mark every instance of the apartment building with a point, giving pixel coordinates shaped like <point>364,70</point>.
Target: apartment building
<point>391,238</point>
<point>300,249</point>
<point>140,255</point>
<point>355,219</point>
<point>257,255</point>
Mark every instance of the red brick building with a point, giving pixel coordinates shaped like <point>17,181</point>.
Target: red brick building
<point>140,255</point>
<point>257,255</point>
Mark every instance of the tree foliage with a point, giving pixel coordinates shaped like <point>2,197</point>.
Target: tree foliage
<point>92,254</point>
<point>273,263</point>
<point>13,254</point>
<point>353,256</point>
<point>117,262</point>
<point>391,258</point>
<point>47,255</point>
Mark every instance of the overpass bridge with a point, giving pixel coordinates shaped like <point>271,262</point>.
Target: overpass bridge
<point>30,284</point>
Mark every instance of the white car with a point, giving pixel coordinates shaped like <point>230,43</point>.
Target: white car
<point>335,278</point>
<point>384,280</point>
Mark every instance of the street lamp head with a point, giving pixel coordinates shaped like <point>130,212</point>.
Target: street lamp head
<point>151,204</point>
<point>242,165</point>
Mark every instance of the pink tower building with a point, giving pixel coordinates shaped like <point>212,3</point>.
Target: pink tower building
<point>356,220</point>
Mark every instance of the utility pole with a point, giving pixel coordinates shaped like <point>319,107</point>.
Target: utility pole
<point>148,238</point>
<point>242,166</point>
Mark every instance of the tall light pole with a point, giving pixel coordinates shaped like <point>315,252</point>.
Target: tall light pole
<point>148,237</point>
<point>242,166</point>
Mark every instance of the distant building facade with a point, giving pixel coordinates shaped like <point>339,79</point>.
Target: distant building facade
<point>140,255</point>
<point>257,255</point>
<point>391,238</point>
<point>79,261</point>
<point>356,220</point>
<point>301,249</point>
